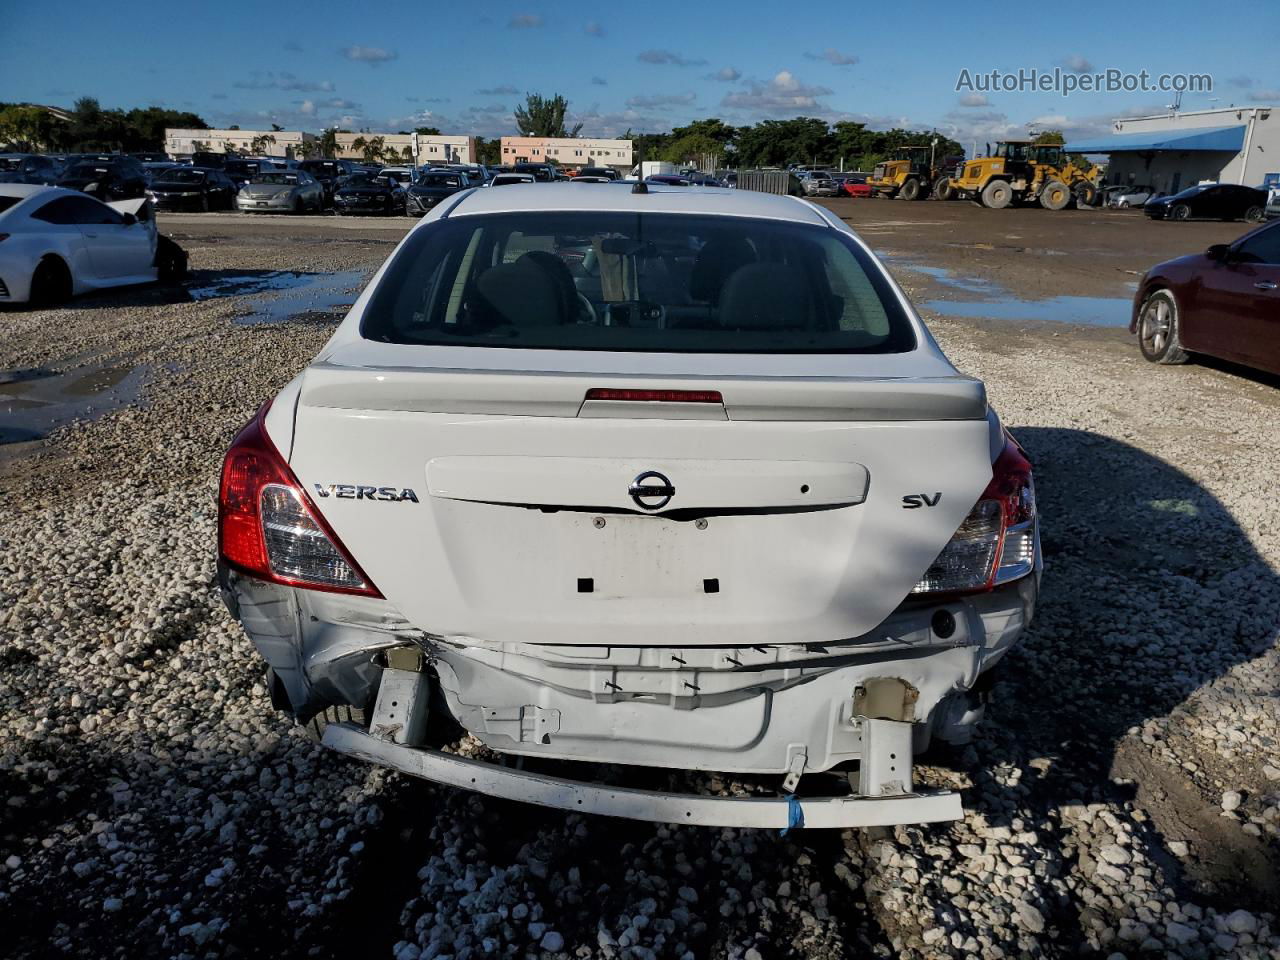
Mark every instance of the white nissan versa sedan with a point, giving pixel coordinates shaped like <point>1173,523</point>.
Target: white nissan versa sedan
<point>674,479</point>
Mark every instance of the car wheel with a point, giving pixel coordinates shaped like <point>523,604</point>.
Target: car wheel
<point>341,714</point>
<point>1123,205</point>
<point>297,206</point>
<point>997,195</point>
<point>1255,214</point>
<point>1180,211</point>
<point>171,262</point>
<point>51,283</point>
<point>204,202</point>
<point>1158,329</point>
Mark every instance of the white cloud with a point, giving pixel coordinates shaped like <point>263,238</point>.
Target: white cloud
<point>1077,64</point>
<point>1264,96</point>
<point>525,21</point>
<point>307,109</point>
<point>668,57</point>
<point>599,82</point>
<point>370,55</point>
<point>725,75</point>
<point>593,29</point>
<point>975,100</point>
<point>270,80</point>
<point>661,100</point>
<point>784,95</point>
<point>834,56</point>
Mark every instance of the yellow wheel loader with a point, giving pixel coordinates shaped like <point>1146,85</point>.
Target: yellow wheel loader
<point>1021,171</point>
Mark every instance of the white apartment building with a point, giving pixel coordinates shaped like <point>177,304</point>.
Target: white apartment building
<point>431,148</point>
<point>271,143</point>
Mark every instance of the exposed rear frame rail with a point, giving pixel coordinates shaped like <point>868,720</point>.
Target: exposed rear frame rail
<point>659,807</point>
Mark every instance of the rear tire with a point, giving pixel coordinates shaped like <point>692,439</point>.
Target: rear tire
<point>1086,194</point>
<point>298,206</point>
<point>1180,211</point>
<point>341,714</point>
<point>997,195</point>
<point>171,262</point>
<point>943,190</point>
<point>1055,195</point>
<point>1158,329</point>
<point>51,283</point>
<point>1255,214</point>
<point>910,190</point>
<point>204,202</point>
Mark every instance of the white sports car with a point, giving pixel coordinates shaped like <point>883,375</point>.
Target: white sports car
<point>56,243</point>
<point>670,479</point>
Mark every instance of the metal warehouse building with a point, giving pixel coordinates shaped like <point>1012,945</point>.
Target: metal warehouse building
<point>1174,151</point>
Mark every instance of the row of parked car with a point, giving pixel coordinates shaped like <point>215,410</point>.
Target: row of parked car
<point>1204,201</point>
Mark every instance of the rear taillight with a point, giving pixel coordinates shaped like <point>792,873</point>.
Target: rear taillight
<point>269,529</point>
<point>656,396</point>
<point>996,543</point>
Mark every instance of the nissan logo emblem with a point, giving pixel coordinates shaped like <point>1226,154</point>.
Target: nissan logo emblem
<point>651,490</point>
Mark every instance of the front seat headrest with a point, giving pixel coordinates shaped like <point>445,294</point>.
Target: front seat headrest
<point>766,296</point>
<point>521,294</point>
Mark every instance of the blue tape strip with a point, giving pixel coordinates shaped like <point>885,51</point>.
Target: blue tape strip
<point>795,814</point>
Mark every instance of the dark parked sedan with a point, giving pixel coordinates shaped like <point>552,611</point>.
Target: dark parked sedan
<point>193,188</point>
<point>367,194</point>
<point>1224,302</point>
<point>1210,201</point>
<point>432,187</point>
<point>330,173</point>
<point>115,178</point>
<point>27,168</point>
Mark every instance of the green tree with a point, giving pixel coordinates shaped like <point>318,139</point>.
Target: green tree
<point>427,131</point>
<point>358,145</point>
<point>775,143</point>
<point>259,145</point>
<point>327,143</point>
<point>489,152</point>
<point>544,117</point>
<point>373,149</point>
<point>695,148</point>
<point>24,128</point>
<point>1051,138</point>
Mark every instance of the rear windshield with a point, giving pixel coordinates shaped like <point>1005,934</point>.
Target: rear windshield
<point>278,178</point>
<point>636,282</point>
<point>439,180</point>
<point>179,175</point>
<point>7,202</point>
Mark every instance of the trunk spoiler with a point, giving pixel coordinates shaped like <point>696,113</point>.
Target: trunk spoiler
<point>460,391</point>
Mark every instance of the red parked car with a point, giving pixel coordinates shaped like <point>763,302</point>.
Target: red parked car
<point>855,188</point>
<point>1224,302</point>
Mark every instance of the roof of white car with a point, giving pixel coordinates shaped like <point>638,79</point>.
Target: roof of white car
<point>619,198</point>
<point>22,189</point>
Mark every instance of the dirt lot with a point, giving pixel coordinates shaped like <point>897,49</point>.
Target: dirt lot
<point>1123,798</point>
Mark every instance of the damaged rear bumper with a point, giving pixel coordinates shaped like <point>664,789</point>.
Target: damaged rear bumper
<point>660,807</point>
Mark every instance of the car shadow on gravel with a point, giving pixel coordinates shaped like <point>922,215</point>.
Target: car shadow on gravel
<point>1152,591</point>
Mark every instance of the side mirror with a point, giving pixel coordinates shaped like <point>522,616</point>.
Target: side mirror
<point>130,219</point>
<point>1219,252</point>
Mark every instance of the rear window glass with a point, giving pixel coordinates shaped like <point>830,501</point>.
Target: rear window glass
<point>7,202</point>
<point>636,282</point>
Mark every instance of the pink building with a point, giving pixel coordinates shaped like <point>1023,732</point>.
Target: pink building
<point>572,153</point>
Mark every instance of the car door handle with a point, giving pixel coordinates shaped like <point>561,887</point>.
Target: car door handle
<point>1265,285</point>
<point>92,236</point>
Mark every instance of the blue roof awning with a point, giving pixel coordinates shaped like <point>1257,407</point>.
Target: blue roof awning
<point>1215,139</point>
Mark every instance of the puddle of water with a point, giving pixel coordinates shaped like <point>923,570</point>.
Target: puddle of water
<point>302,297</point>
<point>946,278</point>
<point>1094,311</point>
<point>34,402</point>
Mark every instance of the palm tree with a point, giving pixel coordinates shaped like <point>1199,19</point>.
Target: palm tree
<point>327,145</point>
<point>260,144</point>
<point>373,149</point>
<point>359,144</point>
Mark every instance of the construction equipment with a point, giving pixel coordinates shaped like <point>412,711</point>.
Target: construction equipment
<point>1023,171</point>
<point>912,175</point>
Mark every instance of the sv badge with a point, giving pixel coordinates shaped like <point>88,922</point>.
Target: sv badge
<point>914,501</point>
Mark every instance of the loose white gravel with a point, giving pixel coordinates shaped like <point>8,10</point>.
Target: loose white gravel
<point>1121,799</point>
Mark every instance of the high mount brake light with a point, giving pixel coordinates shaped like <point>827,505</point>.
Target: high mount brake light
<point>996,543</point>
<point>268,527</point>
<point>660,396</point>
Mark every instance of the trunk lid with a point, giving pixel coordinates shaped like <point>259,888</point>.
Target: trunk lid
<point>502,505</point>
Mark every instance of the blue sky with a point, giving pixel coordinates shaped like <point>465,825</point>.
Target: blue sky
<point>463,67</point>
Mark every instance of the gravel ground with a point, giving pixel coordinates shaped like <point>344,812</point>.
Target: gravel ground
<point>1123,798</point>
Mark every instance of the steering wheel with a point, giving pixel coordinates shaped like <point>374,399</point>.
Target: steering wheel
<point>591,310</point>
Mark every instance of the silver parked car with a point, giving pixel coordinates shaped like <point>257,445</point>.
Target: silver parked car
<point>818,183</point>
<point>292,191</point>
<point>1133,196</point>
